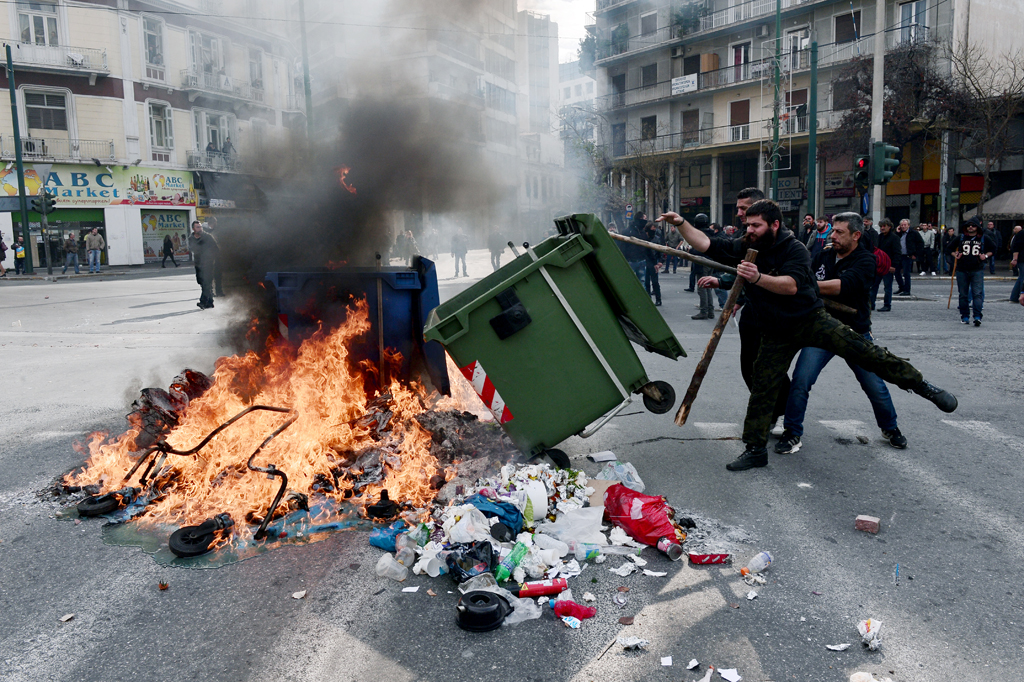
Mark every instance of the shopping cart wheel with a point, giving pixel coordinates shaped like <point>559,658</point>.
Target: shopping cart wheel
<point>560,459</point>
<point>97,505</point>
<point>668,397</point>
<point>190,541</point>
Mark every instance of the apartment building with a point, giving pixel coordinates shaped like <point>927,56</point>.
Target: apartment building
<point>149,113</point>
<point>691,83</point>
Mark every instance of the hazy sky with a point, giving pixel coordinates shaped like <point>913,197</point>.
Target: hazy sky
<point>571,16</point>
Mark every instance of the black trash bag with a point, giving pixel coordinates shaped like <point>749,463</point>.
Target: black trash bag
<point>469,561</point>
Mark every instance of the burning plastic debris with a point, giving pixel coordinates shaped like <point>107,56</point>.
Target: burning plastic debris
<point>343,172</point>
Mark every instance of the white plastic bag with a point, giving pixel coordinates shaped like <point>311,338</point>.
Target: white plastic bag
<point>579,525</point>
<point>467,524</point>
<point>623,472</point>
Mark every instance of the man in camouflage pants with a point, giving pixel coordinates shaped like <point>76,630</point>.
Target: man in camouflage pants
<point>783,293</point>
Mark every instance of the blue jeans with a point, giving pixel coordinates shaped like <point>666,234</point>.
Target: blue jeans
<point>809,365</point>
<point>971,286</point>
<point>69,259</point>
<point>1018,285</point>
<point>94,260</point>
<point>639,269</point>
<point>887,300</point>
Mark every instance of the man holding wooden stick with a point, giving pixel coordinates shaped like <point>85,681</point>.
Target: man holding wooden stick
<point>782,294</point>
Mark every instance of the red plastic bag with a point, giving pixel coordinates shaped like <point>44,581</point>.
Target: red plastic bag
<point>644,517</point>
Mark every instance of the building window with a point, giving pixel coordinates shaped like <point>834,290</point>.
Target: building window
<point>161,131</point>
<point>844,95</point>
<point>46,111</point>
<point>739,120</point>
<point>38,23</point>
<point>207,53</point>
<point>153,30</point>
<point>590,87</point>
<point>500,99</point>
<point>256,68</point>
<point>847,27</point>
<point>691,126</point>
<point>579,91</point>
<point>618,139</point>
<point>649,75</point>
<point>648,23</point>
<point>913,20</point>
<point>648,127</point>
<point>212,128</point>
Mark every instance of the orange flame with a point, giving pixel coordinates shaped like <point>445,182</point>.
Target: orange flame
<point>323,384</point>
<point>342,177</point>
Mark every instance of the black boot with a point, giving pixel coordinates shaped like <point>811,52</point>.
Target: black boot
<point>751,457</point>
<point>943,399</point>
<point>657,301</point>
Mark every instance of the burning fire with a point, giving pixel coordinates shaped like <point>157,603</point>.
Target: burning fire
<point>342,177</point>
<point>324,388</point>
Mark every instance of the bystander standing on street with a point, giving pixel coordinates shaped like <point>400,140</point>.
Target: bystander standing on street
<point>460,246</point>
<point>205,253</point>
<point>945,250</point>
<point>653,234</point>
<point>496,245</point>
<point>870,236</point>
<point>1015,269</point>
<point>70,253</point>
<point>927,263</point>
<point>997,240</point>
<point>19,255</point>
<point>3,257</point>
<point>888,243</point>
<point>971,250</point>
<point>817,240</point>
<point>672,240</point>
<point>911,246</point>
<point>94,245</point>
<point>1016,251</point>
<point>704,296</point>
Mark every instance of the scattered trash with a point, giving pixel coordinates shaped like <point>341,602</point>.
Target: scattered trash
<point>692,664</point>
<point>506,512</point>
<point>624,570</point>
<point>730,674</point>
<point>734,606</point>
<point>863,440</point>
<point>666,661</point>
<point>816,593</point>
<point>632,643</point>
<point>481,611</point>
<point>302,593</point>
<point>655,574</point>
<point>761,561</point>
<point>617,536</point>
<point>409,589</point>
<point>67,617</point>
<point>511,562</point>
<point>867,677</point>
<point>870,633</point>
<point>619,599</point>
<point>387,567</point>
<point>589,596</point>
<point>710,672</point>
<point>162,586</point>
<point>635,558</point>
<point>541,588</point>
<point>701,559</point>
<point>670,547</point>
<point>468,561</point>
<point>646,518</point>
<point>623,588</point>
<point>868,524</point>
<point>431,593</point>
<point>754,579</point>
<point>752,595</point>
<point>567,607</point>
<point>623,472</point>
<point>581,525</point>
<point>605,456</point>
<point>571,622</point>
<point>384,538</point>
<point>837,647</point>
<point>626,620</point>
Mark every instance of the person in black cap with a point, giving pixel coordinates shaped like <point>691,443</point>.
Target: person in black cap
<point>971,249</point>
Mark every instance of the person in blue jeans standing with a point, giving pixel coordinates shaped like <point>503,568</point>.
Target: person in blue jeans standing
<point>971,251</point>
<point>1016,250</point>
<point>845,272</point>
<point>889,242</point>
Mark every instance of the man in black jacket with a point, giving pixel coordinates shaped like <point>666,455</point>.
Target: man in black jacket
<point>911,247</point>
<point>205,253</point>
<point>653,234</point>
<point>971,250</point>
<point>888,242</point>
<point>782,294</point>
<point>635,255</point>
<point>845,273</point>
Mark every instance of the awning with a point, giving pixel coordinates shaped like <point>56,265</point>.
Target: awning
<point>1006,206</point>
<point>231,190</point>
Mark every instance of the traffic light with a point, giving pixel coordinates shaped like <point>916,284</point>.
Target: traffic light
<point>44,204</point>
<point>886,160</point>
<point>37,204</point>
<point>953,196</point>
<point>862,171</point>
<point>50,202</point>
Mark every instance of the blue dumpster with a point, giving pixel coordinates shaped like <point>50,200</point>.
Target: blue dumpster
<point>308,298</point>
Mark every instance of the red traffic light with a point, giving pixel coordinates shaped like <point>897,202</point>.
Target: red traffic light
<point>862,163</point>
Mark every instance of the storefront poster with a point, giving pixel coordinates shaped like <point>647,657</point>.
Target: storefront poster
<point>158,224</point>
<point>840,184</point>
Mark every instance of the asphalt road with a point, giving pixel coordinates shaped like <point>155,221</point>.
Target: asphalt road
<point>76,352</point>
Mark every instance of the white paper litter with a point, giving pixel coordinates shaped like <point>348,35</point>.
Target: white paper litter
<point>604,456</point>
<point>67,617</point>
<point>666,661</point>
<point>411,589</point>
<point>692,664</point>
<point>298,595</point>
<point>624,570</point>
<point>707,675</point>
<point>637,560</point>
<point>570,569</point>
<point>617,536</point>
<point>752,595</point>
<point>632,643</point>
<point>655,574</point>
<point>755,579</point>
<point>870,633</point>
<point>837,647</point>
<point>867,677</point>
<point>589,596</point>
<point>730,674</point>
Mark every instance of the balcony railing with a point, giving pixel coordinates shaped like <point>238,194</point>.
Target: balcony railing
<point>609,4</point>
<point>447,92</point>
<point>640,42</point>
<point>219,84</point>
<point>745,12</point>
<point>296,102</point>
<point>58,149</point>
<point>61,57</point>
<point>213,161</point>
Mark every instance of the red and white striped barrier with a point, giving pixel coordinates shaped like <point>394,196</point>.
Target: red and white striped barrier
<point>485,389</point>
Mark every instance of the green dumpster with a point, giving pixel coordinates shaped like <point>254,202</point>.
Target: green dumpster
<point>545,340</point>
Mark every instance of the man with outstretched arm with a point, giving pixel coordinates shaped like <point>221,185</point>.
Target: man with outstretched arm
<point>783,294</point>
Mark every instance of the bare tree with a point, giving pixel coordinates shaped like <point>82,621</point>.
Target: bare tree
<point>983,96</point>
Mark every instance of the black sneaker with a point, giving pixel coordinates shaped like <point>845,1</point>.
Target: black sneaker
<point>885,309</point>
<point>751,457</point>
<point>943,399</point>
<point>788,444</point>
<point>895,438</point>
<point>977,322</point>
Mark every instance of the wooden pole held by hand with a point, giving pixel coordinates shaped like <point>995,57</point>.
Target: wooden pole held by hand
<point>952,280</point>
<point>709,351</point>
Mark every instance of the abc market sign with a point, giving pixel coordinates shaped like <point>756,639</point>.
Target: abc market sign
<point>77,186</point>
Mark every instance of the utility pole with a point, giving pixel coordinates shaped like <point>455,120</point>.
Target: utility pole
<point>812,131</point>
<point>877,100</point>
<point>26,231</point>
<point>777,106</point>
<point>307,88</point>
<point>45,227</point>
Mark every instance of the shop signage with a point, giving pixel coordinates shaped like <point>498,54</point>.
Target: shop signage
<point>790,194</point>
<point>158,224</point>
<point>840,184</point>
<point>78,186</point>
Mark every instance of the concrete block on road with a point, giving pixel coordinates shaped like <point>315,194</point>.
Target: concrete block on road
<point>868,524</point>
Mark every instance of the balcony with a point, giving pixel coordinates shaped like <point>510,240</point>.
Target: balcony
<point>296,102</point>
<point>639,42</point>
<point>62,59</point>
<point>603,5</point>
<point>451,94</point>
<point>58,149</point>
<point>745,12</point>
<point>214,161</point>
<point>218,85</point>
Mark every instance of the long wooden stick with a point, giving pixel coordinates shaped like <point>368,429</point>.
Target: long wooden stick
<point>952,279</point>
<point>709,352</point>
<point>834,306</point>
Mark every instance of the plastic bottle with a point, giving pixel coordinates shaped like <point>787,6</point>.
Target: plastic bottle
<point>548,542</point>
<point>760,562</point>
<point>406,556</point>
<point>420,534</point>
<point>586,550</point>
<point>387,567</point>
<point>571,608</point>
<point>510,562</point>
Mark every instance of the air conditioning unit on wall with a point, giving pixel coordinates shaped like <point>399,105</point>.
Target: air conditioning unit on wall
<point>762,31</point>
<point>678,51</point>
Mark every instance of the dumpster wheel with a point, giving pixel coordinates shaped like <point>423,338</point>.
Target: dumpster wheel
<point>188,541</point>
<point>668,397</point>
<point>560,459</point>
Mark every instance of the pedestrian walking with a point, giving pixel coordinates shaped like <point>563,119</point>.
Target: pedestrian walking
<point>3,257</point>
<point>211,228</point>
<point>722,294</point>
<point>496,245</point>
<point>1016,250</point>
<point>70,253</point>
<point>997,240</point>
<point>782,293</point>
<point>168,250</point>
<point>911,246</point>
<point>19,256</point>
<point>652,260</point>
<point>845,273</point>
<point>672,240</point>
<point>460,247</point>
<point>94,246</point>
<point>889,244</point>
<point>205,252</point>
<point>971,251</point>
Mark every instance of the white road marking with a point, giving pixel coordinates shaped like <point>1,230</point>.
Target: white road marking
<point>719,429</point>
<point>986,431</point>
